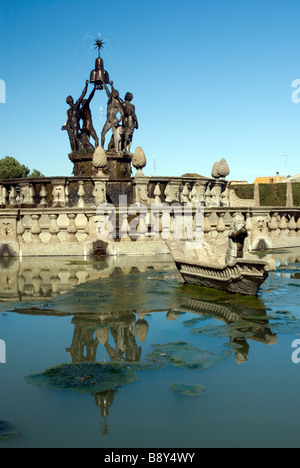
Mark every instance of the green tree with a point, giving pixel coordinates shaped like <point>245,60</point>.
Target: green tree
<point>36,174</point>
<point>10,168</point>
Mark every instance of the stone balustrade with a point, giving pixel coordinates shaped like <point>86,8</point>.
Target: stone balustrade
<point>137,229</point>
<point>84,215</point>
<point>64,192</point>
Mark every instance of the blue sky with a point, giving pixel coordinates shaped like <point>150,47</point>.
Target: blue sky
<point>210,78</point>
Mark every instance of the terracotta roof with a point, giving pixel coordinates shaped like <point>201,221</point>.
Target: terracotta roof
<point>268,180</point>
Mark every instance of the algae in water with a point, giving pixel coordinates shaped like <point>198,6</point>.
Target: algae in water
<point>181,354</point>
<point>84,377</point>
<point>187,390</point>
<point>7,431</point>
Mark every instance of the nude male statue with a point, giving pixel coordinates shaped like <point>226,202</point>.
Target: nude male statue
<point>73,118</point>
<point>114,107</point>
<point>86,117</point>
<point>130,122</point>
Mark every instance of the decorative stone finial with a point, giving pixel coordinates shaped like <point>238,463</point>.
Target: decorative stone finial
<point>220,169</point>
<point>139,161</point>
<point>214,171</point>
<point>100,161</point>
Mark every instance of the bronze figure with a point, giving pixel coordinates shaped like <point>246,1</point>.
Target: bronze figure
<point>130,122</point>
<point>121,117</point>
<point>86,117</point>
<point>114,107</point>
<point>73,117</point>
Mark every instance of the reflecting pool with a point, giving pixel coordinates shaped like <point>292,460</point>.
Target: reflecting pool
<point>118,353</point>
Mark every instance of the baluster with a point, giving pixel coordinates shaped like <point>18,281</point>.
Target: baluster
<point>142,228</point>
<point>81,222</point>
<point>123,233</point>
<point>298,227</point>
<point>21,286</point>
<point>54,229</point>
<point>283,226</point>
<point>199,225</point>
<point>88,224</point>
<point>20,231</point>
<point>185,195</point>
<point>28,287</point>
<point>67,194</point>
<point>292,227</point>
<point>165,225</point>
<point>81,194</point>
<point>27,231</point>
<point>174,225</point>
<point>207,226</point>
<point>221,228</point>
<point>72,228</point>
<point>13,197</point>
<point>156,224</point>
<point>225,197</point>
<point>3,196</point>
<point>274,225</point>
<point>43,195</point>
<point>208,197</point>
<point>2,202</point>
<point>111,225</point>
<point>54,280</point>
<point>36,229</point>
<point>188,223</point>
<point>31,194</point>
<point>36,282</point>
<point>157,194</point>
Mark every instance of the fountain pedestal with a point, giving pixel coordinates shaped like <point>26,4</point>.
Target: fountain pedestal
<point>118,165</point>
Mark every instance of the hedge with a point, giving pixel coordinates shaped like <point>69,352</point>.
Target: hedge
<point>270,194</point>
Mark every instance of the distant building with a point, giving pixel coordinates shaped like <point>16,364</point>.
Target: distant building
<point>270,180</point>
<point>295,178</point>
<point>239,182</point>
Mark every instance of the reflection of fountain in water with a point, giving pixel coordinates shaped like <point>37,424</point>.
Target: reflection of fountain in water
<point>105,400</point>
<point>122,329</point>
<point>119,334</point>
<point>243,323</point>
<point>40,279</point>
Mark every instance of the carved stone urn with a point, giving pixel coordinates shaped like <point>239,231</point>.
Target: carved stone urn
<point>139,161</point>
<point>100,161</point>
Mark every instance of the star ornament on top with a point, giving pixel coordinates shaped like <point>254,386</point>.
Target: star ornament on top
<point>99,44</point>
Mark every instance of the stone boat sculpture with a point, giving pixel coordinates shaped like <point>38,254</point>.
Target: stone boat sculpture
<point>218,267</point>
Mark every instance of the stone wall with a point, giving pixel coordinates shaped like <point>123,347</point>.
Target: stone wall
<point>83,216</point>
<point>79,231</point>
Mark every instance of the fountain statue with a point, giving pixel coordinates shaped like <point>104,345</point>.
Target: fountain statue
<point>121,119</point>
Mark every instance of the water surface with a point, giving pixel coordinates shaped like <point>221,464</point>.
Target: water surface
<point>148,362</point>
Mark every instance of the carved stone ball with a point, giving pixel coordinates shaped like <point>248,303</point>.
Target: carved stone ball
<point>139,160</point>
<point>100,159</point>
